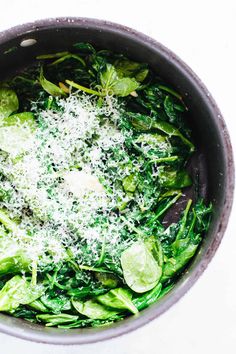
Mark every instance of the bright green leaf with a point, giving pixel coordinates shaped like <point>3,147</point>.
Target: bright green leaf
<point>18,291</point>
<point>50,87</point>
<point>118,298</point>
<point>54,320</point>
<point>8,102</point>
<point>141,270</point>
<point>93,309</point>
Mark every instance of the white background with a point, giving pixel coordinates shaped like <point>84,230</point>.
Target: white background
<point>203,34</point>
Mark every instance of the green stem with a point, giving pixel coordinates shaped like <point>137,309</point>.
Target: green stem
<point>169,90</point>
<point>34,273</point>
<point>52,56</point>
<point>184,220</point>
<point>101,258</point>
<point>7,222</point>
<point>132,227</point>
<point>82,88</point>
<point>94,269</point>
<point>161,212</point>
<point>164,159</point>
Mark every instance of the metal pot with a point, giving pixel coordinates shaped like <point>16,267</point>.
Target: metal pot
<point>214,161</point>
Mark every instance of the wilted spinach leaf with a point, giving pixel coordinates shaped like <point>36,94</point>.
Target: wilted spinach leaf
<point>54,320</point>
<point>18,291</point>
<point>118,298</point>
<point>141,270</point>
<point>93,309</point>
<point>8,102</point>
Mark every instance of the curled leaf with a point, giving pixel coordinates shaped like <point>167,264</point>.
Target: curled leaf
<point>50,87</point>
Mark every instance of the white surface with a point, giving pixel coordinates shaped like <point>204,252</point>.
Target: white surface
<point>202,33</point>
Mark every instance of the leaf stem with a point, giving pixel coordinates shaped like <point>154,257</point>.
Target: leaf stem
<point>83,88</point>
<point>161,212</point>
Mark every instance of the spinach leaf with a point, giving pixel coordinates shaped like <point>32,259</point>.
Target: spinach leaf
<point>112,84</point>
<point>130,183</point>
<point>18,291</point>
<point>107,279</point>
<point>118,298</point>
<point>13,259</point>
<point>93,309</point>
<point>174,265</point>
<point>25,118</point>
<point>84,47</point>
<point>187,239</point>
<point>85,291</point>
<point>54,320</point>
<point>50,87</point>
<point>8,223</point>
<point>143,122</point>
<point>8,102</point>
<point>38,306</point>
<point>128,68</point>
<point>52,55</point>
<point>123,87</point>
<point>140,269</point>
<point>15,133</point>
<point>154,146</point>
<point>148,298</point>
<point>56,303</point>
<point>170,178</point>
<point>170,109</point>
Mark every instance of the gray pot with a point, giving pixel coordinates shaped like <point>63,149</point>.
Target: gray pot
<point>213,160</point>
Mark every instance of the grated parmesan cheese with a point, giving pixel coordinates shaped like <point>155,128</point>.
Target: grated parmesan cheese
<point>60,187</point>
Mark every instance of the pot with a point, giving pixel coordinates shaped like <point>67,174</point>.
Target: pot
<point>213,161</point>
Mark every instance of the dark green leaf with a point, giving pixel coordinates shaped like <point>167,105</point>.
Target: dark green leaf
<point>148,298</point>
<point>128,68</point>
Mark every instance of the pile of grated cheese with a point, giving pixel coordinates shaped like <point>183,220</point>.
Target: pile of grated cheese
<point>62,188</point>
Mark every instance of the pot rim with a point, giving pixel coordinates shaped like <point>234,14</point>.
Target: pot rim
<point>130,324</point>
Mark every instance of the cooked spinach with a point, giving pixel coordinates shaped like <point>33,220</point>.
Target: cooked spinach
<point>94,156</point>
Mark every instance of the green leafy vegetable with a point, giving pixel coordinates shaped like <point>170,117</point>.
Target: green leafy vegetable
<point>56,304</point>
<point>93,309</point>
<point>118,299</point>
<point>18,291</point>
<point>54,320</point>
<point>130,183</point>
<point>13,259</point>
<point>128,68</point>
<point>107,279</point>
<point>145,123</point>
<point>111,83</point>
<point>148,298</point>
<point>8,102</point>
<point>15,132</point>
<point>50,87</point>
<point>95,162</point>
<point>38,306</point>
<point>141,271</point>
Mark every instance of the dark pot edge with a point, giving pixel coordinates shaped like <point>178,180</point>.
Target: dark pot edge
<point>131,324</point>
